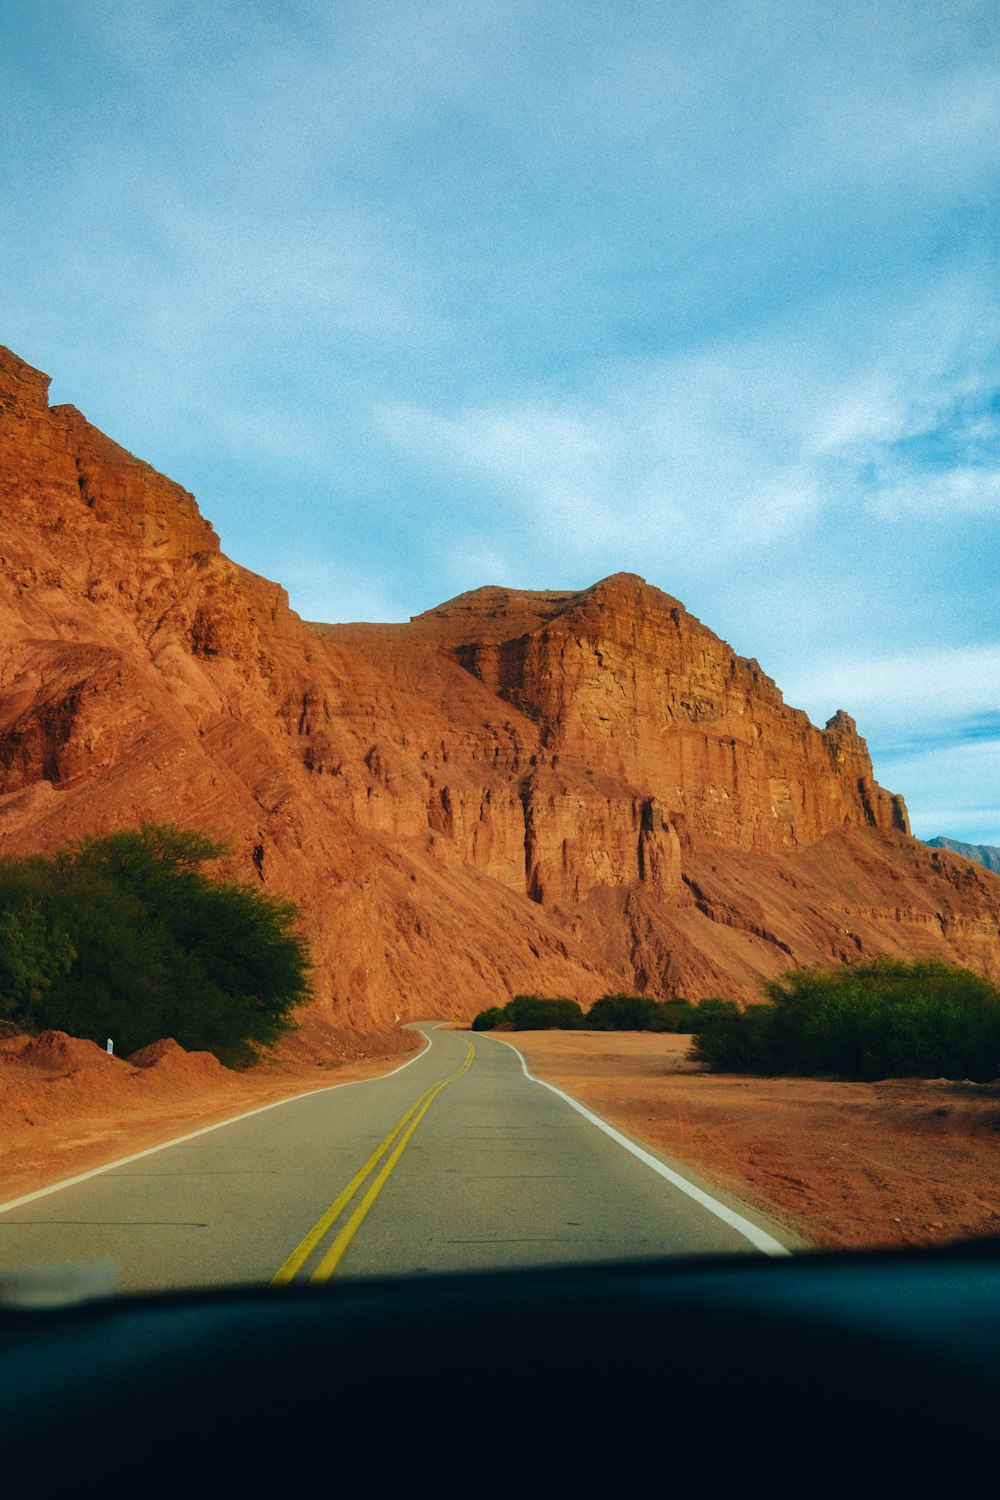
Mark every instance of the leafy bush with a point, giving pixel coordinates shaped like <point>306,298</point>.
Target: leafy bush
<point>735,1041</point>
<point>643,1013</point>
<point>532,1013</point>
<point>877,1018</point>
<point>625,1013</point>
<point>686,1017</point>
<point>488,1020</point>
<point>125,937</point>
<point>713,1006</point>
<point>609,1013</point>
<point>539,1013</point>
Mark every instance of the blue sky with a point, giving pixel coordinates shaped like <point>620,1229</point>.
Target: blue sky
<point>417,297</point>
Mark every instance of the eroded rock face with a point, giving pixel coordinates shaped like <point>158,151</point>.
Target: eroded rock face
<point>622,681</point>
<point>562,792</point>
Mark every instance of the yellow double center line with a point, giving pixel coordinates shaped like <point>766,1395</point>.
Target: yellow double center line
<point>395,1143</point>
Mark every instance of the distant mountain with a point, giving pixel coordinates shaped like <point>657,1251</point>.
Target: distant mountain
<point>983,854</point>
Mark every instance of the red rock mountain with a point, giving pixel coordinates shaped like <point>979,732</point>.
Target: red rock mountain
<point>561,792</point>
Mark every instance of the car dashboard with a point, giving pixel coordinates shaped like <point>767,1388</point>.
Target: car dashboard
<point>818,1371</point>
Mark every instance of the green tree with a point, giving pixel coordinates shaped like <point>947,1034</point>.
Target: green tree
<point>138,943</point>
<point>32,956</point>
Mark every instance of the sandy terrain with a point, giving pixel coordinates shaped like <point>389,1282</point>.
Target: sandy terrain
<point>902,1162</point>
<point>844,1164</point>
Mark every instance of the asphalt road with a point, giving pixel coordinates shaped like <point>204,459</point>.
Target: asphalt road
<point>456,1161</point>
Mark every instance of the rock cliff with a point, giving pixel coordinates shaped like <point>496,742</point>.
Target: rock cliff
<point>566,792</point>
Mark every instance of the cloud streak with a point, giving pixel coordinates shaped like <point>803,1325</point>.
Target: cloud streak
<point>909,696</point>
<point>740,447</point>
<point>950,789</point>
<point>523,293</point>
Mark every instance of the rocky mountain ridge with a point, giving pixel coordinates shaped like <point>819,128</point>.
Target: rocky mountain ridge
<point>987,855</point>
<point>564,791</point>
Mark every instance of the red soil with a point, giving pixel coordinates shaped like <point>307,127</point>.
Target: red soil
<point>901,1162</point>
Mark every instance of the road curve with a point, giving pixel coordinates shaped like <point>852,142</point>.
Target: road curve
<point>458,1160</point>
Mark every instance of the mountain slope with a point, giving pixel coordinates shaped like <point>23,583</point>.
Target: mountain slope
<point>566,792</point>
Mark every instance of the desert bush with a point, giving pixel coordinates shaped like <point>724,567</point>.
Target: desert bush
<point>877,1018</point>
<point>488,1020</point>
<point>732,1041</point>
<point>532,1013</point>
<point>625,1013</point>
<point>125,937</point>
<point>682,1015</point>
<point>609,1013</point>
<point>642,1013</point>
<point>712,1005</point>
<point>541,1013</point>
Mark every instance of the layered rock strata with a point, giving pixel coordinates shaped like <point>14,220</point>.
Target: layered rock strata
<point>563,792</point>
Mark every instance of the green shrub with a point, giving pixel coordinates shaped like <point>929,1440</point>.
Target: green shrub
<point>532,1013</point>
<point>877,1018</point>
<point>487,1020</point>
<point>539,1013</point>
<point>713,1006</point>
<point>643,1013</point>
<point>732,1041</point>
<point>677,1015</point>
<point>624,1013</point>
<point>125,937</point>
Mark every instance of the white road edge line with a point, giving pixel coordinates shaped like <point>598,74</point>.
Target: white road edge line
<point>757,1237</point>
<point>192,1135</point>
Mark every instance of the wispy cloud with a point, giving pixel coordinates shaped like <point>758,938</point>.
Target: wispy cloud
<point>908,697</point>
<point>531,293</point>
<point>331,594</point>
<point>739,447</point>
<point>669,457</point>
<point>950,789</point>
<point>916,432</point>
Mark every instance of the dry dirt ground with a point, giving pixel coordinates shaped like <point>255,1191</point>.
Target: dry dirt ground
<point>845,1164</point>
<point>901,1162</point>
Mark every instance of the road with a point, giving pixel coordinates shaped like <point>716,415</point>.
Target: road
<point>457,1160</point>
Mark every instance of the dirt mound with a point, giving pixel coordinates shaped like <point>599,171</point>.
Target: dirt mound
<point>169,1059</point>
<point>59,1053</point>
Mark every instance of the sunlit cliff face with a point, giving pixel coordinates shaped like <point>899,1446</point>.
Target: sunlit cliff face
<point>565,792</point>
